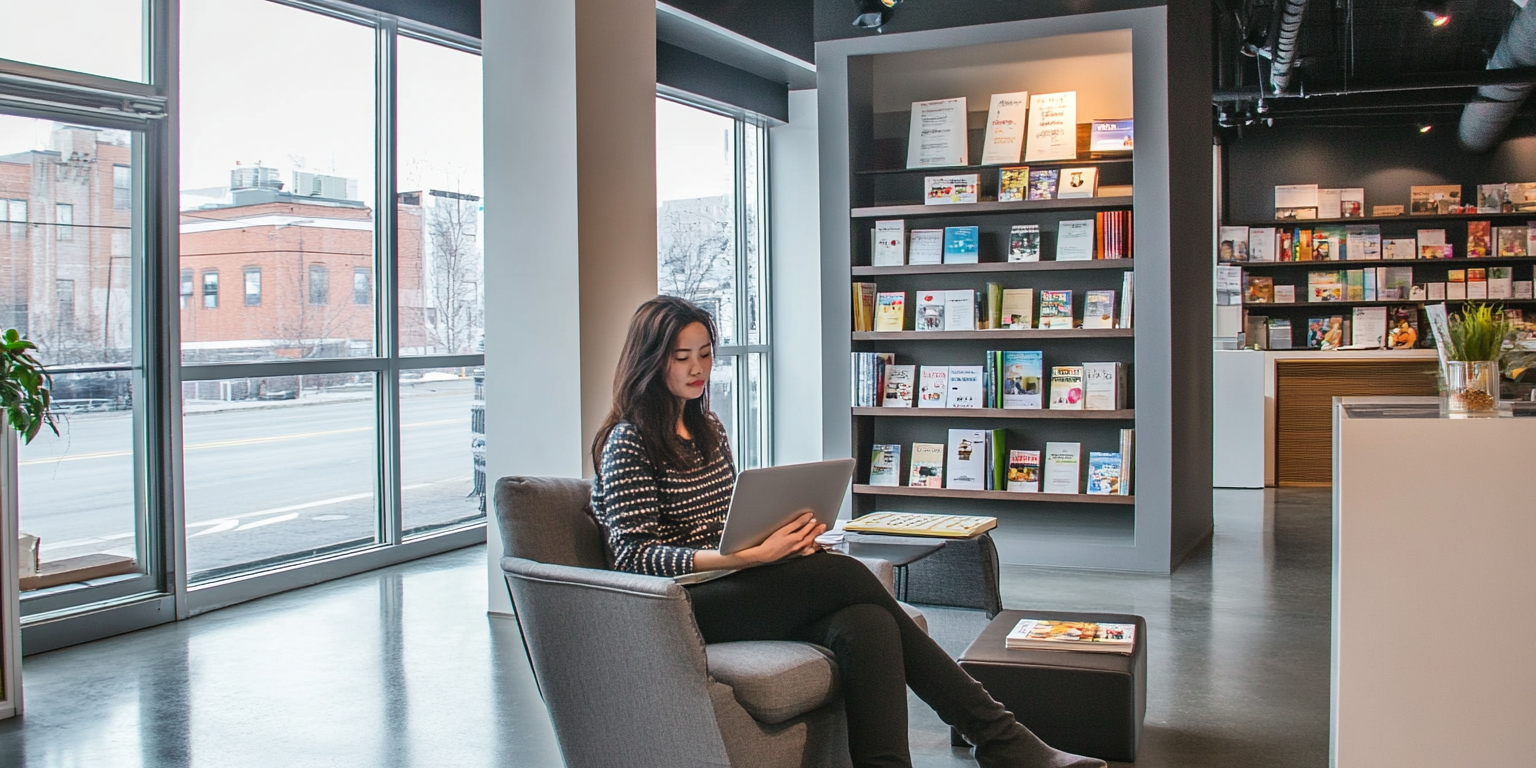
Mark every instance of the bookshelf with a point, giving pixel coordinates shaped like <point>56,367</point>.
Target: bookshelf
<point>866,87</point>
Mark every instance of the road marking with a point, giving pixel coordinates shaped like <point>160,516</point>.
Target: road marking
<point>269,521</point>
<point>219,526</point>
<point>244,441</point>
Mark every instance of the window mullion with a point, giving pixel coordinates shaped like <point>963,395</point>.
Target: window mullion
<point>386,273</point>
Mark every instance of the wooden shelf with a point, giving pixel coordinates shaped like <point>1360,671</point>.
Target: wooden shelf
<point>1002,335</point>
<point>1305,223</point>
<point>953,493</point>
<point>995,266</point>
<point>994,166</point>
<point>1384,303</point>
<point>995,413</point>
<point>991,206</point>
<point>1363,263</point>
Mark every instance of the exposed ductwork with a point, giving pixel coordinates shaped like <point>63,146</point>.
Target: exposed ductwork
<point>1484,121</point>
<point>1283,54</point>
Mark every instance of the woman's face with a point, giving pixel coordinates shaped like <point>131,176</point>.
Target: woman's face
<point>692,359</point>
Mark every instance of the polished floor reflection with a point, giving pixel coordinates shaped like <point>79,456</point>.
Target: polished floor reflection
<point>400,667</point>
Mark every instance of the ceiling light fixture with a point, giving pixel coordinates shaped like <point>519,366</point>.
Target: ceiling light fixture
<point>1434,11</point>
<point>1425,127</point>
<point>873,14</point>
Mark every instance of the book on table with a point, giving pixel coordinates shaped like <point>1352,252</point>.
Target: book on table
<point>1093,637</point>
<point>914,524</point>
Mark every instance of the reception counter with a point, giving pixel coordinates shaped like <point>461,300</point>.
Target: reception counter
<point>1434,587</point>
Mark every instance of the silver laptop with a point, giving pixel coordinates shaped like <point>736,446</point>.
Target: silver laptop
<point>765,500</point>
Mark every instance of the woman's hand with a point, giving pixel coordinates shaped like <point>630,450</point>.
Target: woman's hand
<point>796,537</point>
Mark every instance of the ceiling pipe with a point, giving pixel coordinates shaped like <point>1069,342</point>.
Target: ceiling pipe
<point>1491,77</point>
<point>1483,122</point>
<point>1283,61</point>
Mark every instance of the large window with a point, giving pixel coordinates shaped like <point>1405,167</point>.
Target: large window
<point>318,397</point>
<point>711,249</point>
<point>98,37</point>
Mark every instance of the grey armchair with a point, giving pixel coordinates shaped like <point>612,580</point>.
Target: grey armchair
<point>625,675</point>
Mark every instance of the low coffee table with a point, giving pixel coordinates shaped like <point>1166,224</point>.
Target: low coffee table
<point>1087,703</point>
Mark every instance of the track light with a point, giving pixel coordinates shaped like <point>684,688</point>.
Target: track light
<point>1434,11</point>
<point>872,14</point>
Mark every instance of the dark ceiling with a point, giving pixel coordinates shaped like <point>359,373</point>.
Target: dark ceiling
<point>1377,55</point>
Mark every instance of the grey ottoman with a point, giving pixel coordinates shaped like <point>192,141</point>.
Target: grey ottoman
<point>1086,703</point>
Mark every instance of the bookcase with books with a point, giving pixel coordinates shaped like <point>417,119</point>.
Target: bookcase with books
<point>997,286</point>
<point>1388,220</point>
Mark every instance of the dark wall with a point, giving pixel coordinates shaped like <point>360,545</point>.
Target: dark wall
<point>462,16</point>
<point>784,25</point>
<point>834,18</point>
<point>1386,161</point>
<point>687,71</point>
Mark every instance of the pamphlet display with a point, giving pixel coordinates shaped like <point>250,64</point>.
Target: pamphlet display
<point>937,137</point>
<point>1004,142</point>
<point>1052,131</point>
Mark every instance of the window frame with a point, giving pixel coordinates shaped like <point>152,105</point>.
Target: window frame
<point>317,292</point>
<point>210,298</point>
<point>754,437</point>
<point>246,274</point>
<point>63,222</point>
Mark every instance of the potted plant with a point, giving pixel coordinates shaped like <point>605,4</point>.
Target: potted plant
<point>1474,340</point>
<point>26,398</point>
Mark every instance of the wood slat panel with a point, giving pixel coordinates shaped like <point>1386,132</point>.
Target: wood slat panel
<point>1304,392</point>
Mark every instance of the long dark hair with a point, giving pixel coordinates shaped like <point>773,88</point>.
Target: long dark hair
<point>640,394</point>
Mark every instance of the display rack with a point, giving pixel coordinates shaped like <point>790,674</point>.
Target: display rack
<point>866,87</point>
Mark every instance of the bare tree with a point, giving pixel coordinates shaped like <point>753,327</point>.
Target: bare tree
<point>696,252</point>
<point>453,266</point>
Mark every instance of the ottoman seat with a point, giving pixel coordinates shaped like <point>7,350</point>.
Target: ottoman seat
<point>1087,703</point>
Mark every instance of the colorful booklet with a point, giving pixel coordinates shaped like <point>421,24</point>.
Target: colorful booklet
<point>1024,243</point>
<point>1067,387</point>
<point>1018,308</point>
<point>900,386</point>
<point>1056,309</point>
<point>885,464</point>
<point>1103,473</point>
<point>967,459</point>
<point>890,311</point>
<point>1013,184</point>
<point>1042,183</point>
<point>1024,471</point>
<point>1099,310</point>
<point>927,465</point>
<point>930,310</point>
<point>890,243</point>
<point>1022,372</point>
<point>933,386</point>
<point>960,245</point>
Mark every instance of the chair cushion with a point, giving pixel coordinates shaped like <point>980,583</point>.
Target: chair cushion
<point>775,680</point>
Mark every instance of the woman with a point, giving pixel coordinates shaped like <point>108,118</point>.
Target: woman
<point>662,489</point>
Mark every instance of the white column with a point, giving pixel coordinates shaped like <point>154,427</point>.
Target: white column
<point>795,274</point>
<point>570,225</point>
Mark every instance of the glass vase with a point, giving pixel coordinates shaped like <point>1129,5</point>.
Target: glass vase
<point>1471,387</point>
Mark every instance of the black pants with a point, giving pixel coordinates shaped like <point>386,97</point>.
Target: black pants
<point>836,602</point>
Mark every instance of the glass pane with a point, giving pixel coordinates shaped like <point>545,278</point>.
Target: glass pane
<point>755,405</point>
<point>277,174</point>
<point>696,211</point>
<point>722,399</point>
<point>754,199</point>
<point>278,469</point>
<point>442,448</point>
<point>442,300</point>
<point>97,37</point>
<point>77,491</point>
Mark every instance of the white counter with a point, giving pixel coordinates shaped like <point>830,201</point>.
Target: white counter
<point>1243,408</point>
<point>1434,590</point>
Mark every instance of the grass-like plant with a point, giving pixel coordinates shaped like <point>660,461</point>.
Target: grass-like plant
<point>25,387</point>
<point>1477,333</point>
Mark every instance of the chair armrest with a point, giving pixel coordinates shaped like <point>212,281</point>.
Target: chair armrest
<point>617,654</point>
<point>883,571</point>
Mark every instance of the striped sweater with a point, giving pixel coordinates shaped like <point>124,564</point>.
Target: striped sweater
<point>657,520</point>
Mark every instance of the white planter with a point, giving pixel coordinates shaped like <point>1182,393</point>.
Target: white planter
<point>10,596</point>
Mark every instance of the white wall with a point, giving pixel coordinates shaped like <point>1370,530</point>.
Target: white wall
<point>796,284</point>
<point>557,303</point>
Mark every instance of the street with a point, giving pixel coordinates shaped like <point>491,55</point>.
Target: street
<point>264,484</point>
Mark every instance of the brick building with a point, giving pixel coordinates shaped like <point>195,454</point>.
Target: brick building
<point>265,272</point>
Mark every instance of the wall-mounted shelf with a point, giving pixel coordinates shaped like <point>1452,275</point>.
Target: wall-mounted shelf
<point>994,166</point>
<point>1001,334</point>
<point>988,267</point>
<point>1307,223</point>
<point>995,413</point>
<point>1383,303</point>
<point>1362,263</point>
<point>955,493</point>
<point>991,206</point>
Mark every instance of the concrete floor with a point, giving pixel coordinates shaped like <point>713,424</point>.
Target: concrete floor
<point>400,667</point>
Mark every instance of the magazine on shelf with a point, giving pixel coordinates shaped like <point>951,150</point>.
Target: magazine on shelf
<point>1004,140</point>
<point>1022,372</point>
<point>1018,309</point>
<point>1024,471</point>
<point>1103,474</point>
<point>951,190</point>
<point>1067,387</point>
<point>933,386</point>
<point>1061,467</point>
<point>966,462</point>
<point>925,246</point>
<point>885,464</point>
<point>890,310</point>
<point>1024,243</point>
<point>937,135</point>
<point>890,243</point>
<point>927,465</point>
<point>1052,127</point>
<point>1013,184</point>
<point>900,386</point>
